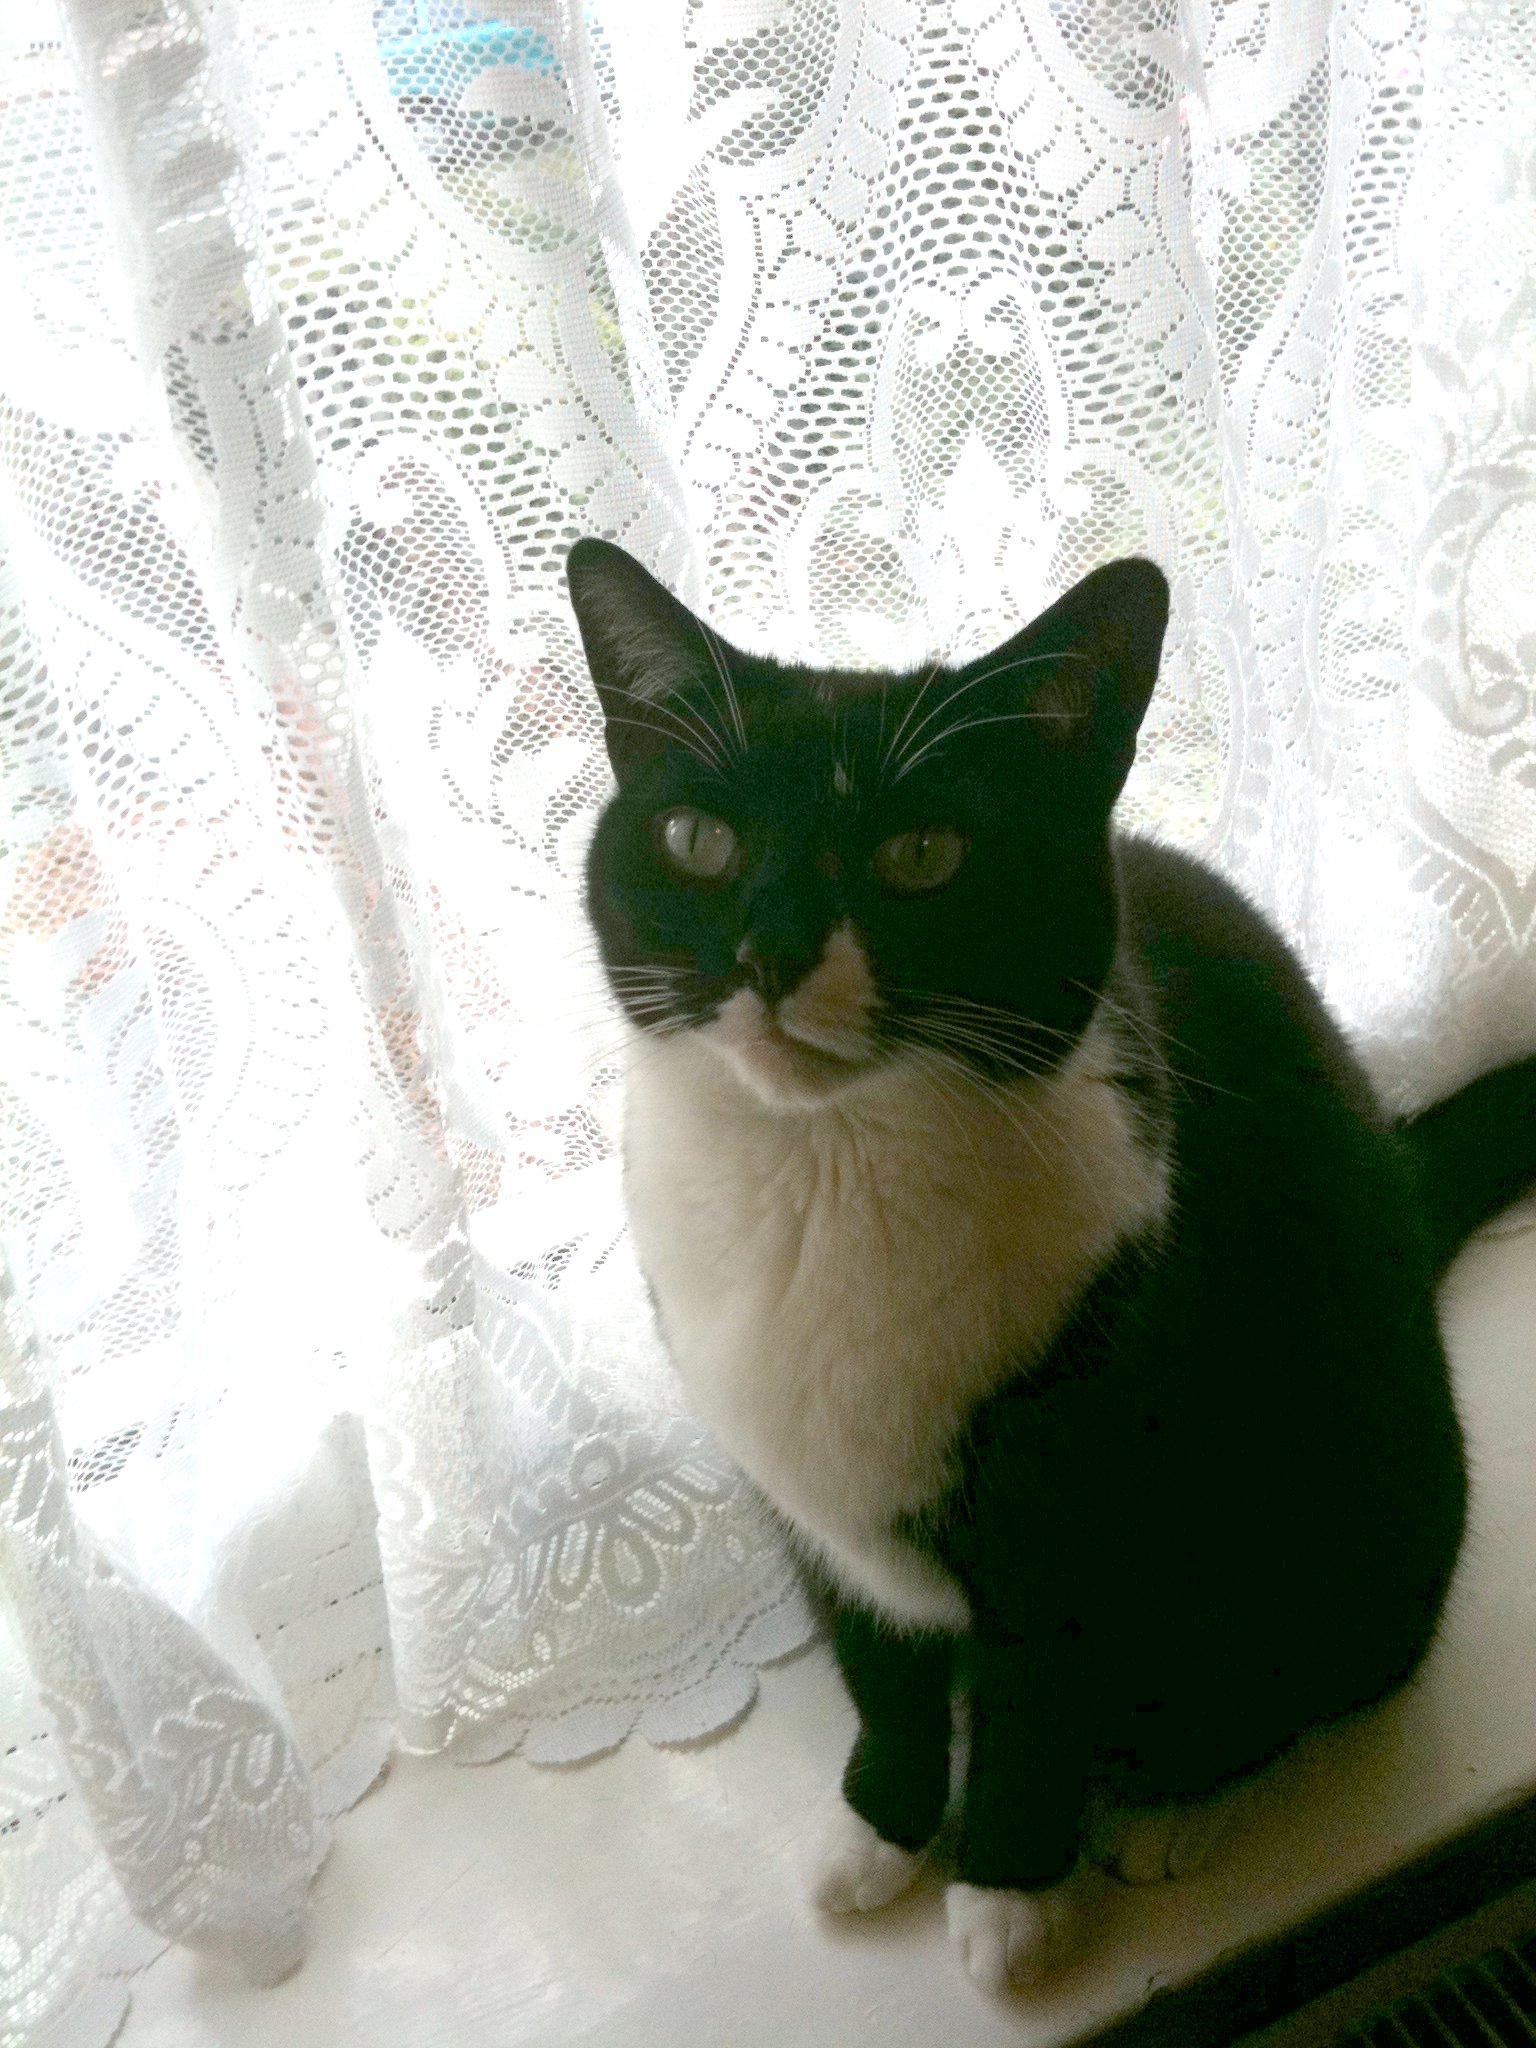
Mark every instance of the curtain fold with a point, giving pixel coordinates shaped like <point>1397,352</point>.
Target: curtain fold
<point>334,1417</point>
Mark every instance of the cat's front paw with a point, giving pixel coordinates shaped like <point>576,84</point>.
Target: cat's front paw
<point>1009,1939</point>
<point>857,1871</point>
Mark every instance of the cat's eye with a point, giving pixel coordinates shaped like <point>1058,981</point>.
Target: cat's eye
<point>913,863</point>
<point>698,844</point>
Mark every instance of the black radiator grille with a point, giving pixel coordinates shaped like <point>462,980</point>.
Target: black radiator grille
<point>1487,2003</point>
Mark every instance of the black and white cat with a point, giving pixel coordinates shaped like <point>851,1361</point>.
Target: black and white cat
<point>1019,1220</point>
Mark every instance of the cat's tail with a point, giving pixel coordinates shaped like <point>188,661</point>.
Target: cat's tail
<point>1474,1154</point>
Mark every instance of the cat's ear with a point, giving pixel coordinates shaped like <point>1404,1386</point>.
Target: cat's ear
<point>1084,671</point>
<point>642,647</point>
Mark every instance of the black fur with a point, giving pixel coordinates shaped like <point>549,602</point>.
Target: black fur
<point>1226,1505</point>
<point>1472,1154</point>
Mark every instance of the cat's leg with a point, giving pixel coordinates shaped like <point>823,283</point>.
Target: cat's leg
<point>1014,1912</point>
<point>896,1785</point>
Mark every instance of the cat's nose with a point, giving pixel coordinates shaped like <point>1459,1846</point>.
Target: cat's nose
<point>760,974</point>
<point>774,970</point>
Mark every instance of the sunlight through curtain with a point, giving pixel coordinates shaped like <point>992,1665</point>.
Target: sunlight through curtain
<point>331,1415</point>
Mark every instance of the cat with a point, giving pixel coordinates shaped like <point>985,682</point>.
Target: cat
<point>1018,1218</point>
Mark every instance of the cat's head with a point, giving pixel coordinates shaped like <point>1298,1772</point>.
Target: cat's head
<point>822,872</point>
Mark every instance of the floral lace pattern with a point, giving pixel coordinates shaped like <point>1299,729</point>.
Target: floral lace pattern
<point>334,1415</point>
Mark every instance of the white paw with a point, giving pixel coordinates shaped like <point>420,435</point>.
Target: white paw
<point>1008,1938</point>
<point>1168,1843</point>
<point>856,1870</point>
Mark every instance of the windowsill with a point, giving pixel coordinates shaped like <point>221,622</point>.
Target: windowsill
<point>653,1899</point>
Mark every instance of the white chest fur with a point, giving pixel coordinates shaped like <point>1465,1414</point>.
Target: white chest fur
<point>840,1285</point>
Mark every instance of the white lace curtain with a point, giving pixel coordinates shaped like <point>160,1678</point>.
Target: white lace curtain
<point>330,1414</point>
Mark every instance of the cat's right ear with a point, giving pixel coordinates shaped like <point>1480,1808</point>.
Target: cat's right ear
<point>643,648</point>
<point>1086,668</point>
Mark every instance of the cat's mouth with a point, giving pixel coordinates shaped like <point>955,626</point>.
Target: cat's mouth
<point>786,1063</point>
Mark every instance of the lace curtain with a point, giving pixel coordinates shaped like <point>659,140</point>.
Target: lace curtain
<point>330,1413</point>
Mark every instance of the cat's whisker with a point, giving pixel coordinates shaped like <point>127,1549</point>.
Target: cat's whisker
<point>1155,1040</point>
<point>666,1026</point>
<point>939,995</point>
<point>722,669</point>
<point>967,1039</point>
<point>1086,1179</point>
<point>632,998</point>
<point>1151,1039</point>
<point>987,1043</point>
<point>1153,1033</point>
<point>991,1093</point>
<point>961,1042</point>
<point>967,1010</point>
<point>628,1055</point>
<point>1007,1104</point>
<point>583,965</point>
<point>709,760</point>
<point>1034,1105</point>
<point>714,724</point>
<point>607,976</point>
<point>972,725</point>
<point>988,1028</point>
<point>653,1001</point>
<point>986,676</point>
<point>689,720</point>
<point>673,992</point>
<point>969,1007</point>
<point>922,689</point>
<point>924,1061</point>
<point>597,1006</point>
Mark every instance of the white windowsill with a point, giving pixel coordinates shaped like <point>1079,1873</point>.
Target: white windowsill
<point>653,1899</point>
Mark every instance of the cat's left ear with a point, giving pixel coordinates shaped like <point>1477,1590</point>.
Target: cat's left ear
<point>643,646</point>
<point>1084,671</point>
